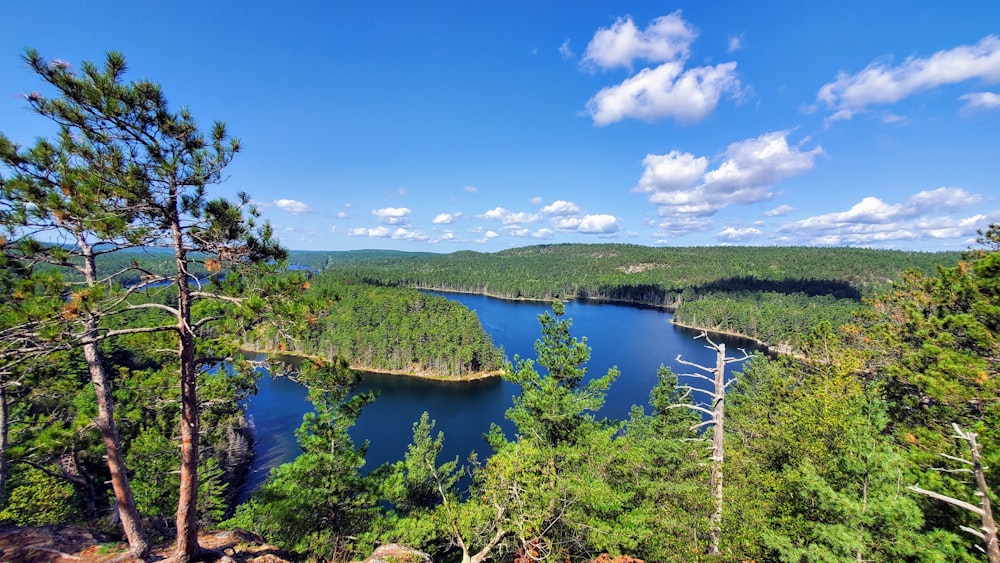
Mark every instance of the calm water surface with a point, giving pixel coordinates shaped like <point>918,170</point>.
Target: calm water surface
<point>635,340</point>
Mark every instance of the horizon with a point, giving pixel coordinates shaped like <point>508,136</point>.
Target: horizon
<point>397,126</point>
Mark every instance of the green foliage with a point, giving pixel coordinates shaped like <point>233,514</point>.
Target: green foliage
<point>554,406</point>
<point>319,503</point>
<point>37,498</point>
<point>385,329</point>
<point>772,294</point>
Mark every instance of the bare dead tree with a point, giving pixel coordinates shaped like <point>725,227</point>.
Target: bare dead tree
<point>715,410</point>
<point>988,531</point>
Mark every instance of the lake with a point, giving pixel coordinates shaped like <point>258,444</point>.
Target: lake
<point>636,340</point>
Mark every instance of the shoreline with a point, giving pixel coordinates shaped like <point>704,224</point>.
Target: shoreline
<point>476,376</point>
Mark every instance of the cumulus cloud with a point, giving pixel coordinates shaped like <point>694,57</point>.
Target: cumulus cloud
<point>446,218</point>
<point>779,211</point>
<point>666,38</point>
<point>342,215</point>
<point>392,215</point>
<point>981,100</point>
<point>292,206</point>
<point>561,207</point>
<point>681,184</point>
<point>733,234</point>
<point>517,231</point>
<point>666,91</point>
<point>377,232</point>
<point>588,224</point>
<point>923,215</point>
<point>672,171</point>
<point>510,217</point>
<point>471,189</point>
<point>880,83</point>
<point>488,236</point>
<point>403,233</point>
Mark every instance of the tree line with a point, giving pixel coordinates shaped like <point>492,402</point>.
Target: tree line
<point>785,290</point>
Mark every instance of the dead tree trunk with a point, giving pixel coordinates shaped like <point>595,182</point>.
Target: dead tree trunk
<point>988,529</point>
<point>716,419</point>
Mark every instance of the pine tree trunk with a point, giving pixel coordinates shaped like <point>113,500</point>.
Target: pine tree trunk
<point>187,503</point>
<point>105,422</point>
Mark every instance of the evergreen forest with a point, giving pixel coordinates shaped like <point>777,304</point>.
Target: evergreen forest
<point>130,294</point>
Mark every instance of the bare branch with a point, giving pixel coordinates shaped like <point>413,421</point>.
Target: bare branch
<point>692,407</point>
<point>948,499</point>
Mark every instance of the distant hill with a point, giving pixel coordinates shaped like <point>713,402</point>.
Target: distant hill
<point>321,259</point>
<point>776,295</point>
<point>617,271</point>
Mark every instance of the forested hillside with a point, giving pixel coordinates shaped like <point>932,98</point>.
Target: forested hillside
<point>772,294</point>
<point>398,330</point>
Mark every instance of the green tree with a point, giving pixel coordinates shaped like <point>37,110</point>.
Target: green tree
<point>319,504</point>
<point>536,489</point>
<point>130,171</point>
<point>815,475</point>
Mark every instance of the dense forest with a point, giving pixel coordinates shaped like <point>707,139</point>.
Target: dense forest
<point>772,294</point>
<point>397,330</point>
<point>120,402</point>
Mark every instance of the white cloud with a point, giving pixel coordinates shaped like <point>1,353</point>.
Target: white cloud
<point>679,184</point>
<point>736,42</point>
<point>667,38</point>
<point>600,224</point>
<point>882,84</point>
<point>672,171</point>
<point>488,236</point>
<point>446,218</point>
<point>759,162</point>
<point>517,231</point>
<point>587,224</point>
<point>510,217</point>
<point>471,189</point>
<point>666,91</point>
<point>565,52</point>
<point>377,232</point>
<point>733,234</point>
<point>342,215</point>
<point>537,200</point>
<point>403,233</point>
<point>392,215</point>
<point>561,207</point>
<point>292,206</point>
<point>675,225</point>
<point>779,211</point>
<point>873,221</point>
<point>981,100</point>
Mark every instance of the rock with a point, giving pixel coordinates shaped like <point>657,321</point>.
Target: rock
<point>395,553</point>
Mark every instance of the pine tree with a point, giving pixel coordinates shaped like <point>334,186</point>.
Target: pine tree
<point>128,171</point>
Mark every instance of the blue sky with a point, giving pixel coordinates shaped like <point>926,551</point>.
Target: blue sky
<point>442,126</point>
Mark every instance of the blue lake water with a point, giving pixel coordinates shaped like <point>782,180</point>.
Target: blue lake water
<point>636,340</point>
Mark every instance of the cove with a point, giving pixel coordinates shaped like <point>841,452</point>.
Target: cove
<point>636,340</point>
